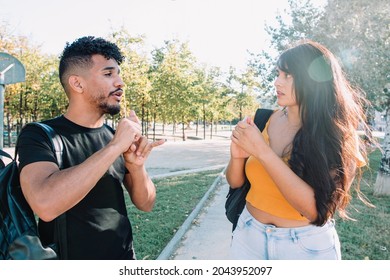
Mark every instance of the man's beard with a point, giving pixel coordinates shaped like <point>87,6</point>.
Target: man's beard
<point>110,109</point>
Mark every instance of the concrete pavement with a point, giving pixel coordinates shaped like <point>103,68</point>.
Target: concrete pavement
<point>209,236</point>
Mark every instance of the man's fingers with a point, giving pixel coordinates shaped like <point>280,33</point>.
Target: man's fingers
<point>133,147</point>
<point>148,148</point>
<point>133,117</point>
<point>142,145</point>
<point>158,143</point>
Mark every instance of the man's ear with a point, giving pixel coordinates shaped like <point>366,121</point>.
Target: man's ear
<point>75,83</point>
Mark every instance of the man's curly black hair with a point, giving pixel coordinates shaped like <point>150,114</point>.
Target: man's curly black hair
<point>79,54</point>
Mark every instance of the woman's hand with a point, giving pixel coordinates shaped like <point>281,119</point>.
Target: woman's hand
<point>247,138</point>
<point>236,151</point>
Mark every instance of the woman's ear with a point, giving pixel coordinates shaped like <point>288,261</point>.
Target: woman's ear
<point>75,83</point>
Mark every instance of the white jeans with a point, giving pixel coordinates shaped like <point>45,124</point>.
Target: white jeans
<point>253,240</point>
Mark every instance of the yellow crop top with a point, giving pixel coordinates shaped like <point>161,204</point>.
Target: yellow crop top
<point>264,194</point>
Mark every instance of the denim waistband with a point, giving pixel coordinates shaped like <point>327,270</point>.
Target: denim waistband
<point>278,231</point>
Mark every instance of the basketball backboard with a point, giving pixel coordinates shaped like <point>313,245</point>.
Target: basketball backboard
<point>12,70</point>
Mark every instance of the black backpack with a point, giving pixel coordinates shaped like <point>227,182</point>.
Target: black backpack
<point>19,238</point>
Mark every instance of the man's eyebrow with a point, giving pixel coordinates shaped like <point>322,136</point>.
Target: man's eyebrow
<point>110,68</point>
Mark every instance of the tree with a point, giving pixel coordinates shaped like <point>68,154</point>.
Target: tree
<point>174,74</point>
<point>264,71</point>
<point>212,99</point>
<point>241,88</point>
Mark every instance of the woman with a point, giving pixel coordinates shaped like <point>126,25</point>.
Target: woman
<point>302,166</point>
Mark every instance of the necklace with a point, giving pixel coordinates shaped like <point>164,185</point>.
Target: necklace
<point>285,112</point>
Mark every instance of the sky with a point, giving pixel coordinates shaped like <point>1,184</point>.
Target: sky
<point>219,32</point>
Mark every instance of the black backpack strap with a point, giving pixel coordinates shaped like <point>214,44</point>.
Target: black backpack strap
<point>60,234</point>
<point>262,116</point>
<point>5,154</point>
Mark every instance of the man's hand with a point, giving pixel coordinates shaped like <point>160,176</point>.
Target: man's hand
<point>140,150</point>
<point>128,132</point>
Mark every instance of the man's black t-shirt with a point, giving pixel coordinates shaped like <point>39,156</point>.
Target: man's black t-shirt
<point>98,226</point>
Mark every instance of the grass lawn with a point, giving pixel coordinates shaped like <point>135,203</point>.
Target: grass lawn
<point>368,237</point>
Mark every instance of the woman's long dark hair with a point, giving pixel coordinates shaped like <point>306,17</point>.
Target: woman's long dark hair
<point>325,150</point>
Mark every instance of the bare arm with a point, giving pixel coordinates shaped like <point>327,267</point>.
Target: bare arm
<point>140,188</point>
<point>235,171</point>
<point>137,182</point>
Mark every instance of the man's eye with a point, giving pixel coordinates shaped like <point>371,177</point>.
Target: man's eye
<point>108,74</point>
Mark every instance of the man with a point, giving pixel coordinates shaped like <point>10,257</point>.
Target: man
<point>96,161</point>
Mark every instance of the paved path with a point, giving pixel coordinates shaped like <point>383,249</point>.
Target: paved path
<point>185,155</point>
<point>209,236</point>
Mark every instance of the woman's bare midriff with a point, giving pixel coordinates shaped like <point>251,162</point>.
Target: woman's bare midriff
<point>267,218</point>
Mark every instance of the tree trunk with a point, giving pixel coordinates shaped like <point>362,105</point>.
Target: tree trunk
<point>382,184</point>
<point>211,128</point>
<point>197,126</point>
<point>204,123</point>
<point>8,126</point>
<point>183,130</point>
<point>154,126</point>
<point>143,118</point>
<point>147,124</point>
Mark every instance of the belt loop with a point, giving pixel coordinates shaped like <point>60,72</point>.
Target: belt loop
<point>293,235</point>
